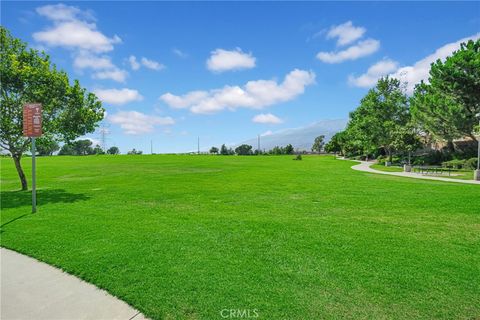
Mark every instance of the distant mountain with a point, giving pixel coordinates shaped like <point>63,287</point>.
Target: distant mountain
<point>301,138</point>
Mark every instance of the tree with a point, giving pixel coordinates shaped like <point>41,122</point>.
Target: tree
<point>407,140</point>
<point>244,150</point>
<point>82,147</point>
<point>214,150</point>
<point>66,150</point>
<point>78,148</point>
<point>382,112</point>
<point>98,150</point>
<point>69,111</point>
<point>223,150</point>
<point>46,147</point>
<point>133,151</point>
<point>318,144</point>
<point>336,143</point>
<point>277,150</point>
<point>113,150</point>
<point>289,149</point>
<point>447,105</point>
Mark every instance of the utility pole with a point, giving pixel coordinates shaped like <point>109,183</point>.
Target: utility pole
<point>198,145</point>
<point>151,146</point>
<point>258,147</point>
<point>103,136</point>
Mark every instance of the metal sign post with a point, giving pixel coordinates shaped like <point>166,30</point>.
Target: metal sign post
<point>32,127</point>
<point>34,180</point>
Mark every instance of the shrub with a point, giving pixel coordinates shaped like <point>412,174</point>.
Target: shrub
<point>298,157</point>
<point>433,157</point>
<point>470,164</point>
<point>455,164</point>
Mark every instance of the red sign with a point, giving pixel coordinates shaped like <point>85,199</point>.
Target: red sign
<point>32,120</point>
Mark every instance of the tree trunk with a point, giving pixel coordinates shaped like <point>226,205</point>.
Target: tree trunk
<point>450,146</point>
<point>21,174</point>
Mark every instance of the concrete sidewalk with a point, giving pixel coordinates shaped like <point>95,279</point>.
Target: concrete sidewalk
<point>365,166</point>
<point>34,290</point>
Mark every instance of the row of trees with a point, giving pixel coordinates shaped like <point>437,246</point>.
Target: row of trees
<point>84,148</point>
<point>443,109</point>
<point>246,149</point>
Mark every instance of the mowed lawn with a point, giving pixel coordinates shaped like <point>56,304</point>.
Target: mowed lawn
<point>184,237</point>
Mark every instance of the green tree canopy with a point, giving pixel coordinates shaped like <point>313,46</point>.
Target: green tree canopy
<point>28,76</point>
<point>98,150</point>
<point>381,114</point>
<point>447,105</point>
<point>224,150</point>
<point>288,149</point>
<point>336,142</point>
<point>113,150</point>
<point>318,144</point>
<point>214,150</point>
<point>46,146</point>
<point>78,148</point>
<point>244,150</point>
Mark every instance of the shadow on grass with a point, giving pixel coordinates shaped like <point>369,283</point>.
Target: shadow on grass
<point>16,199</point>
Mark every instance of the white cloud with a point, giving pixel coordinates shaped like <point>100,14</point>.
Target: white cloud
<point>85,60</point>
<point>133,63</point>
<point>223,60</point>
<point>254,94</point>
<point>361,49</point>
<point>102,65</point>
<point>150,64</point>
<point>75,30</point>
<point>185,101</point>
<point>267,118</point>
<point>118,96</point>
<point>375,72</point>
<point>345,33</point>
<point>179,53</point>
<point>134,122</point>
<point>266,133</point>
<point>411,75</point>
<point>61,12</point>
<point>147,63</point>
<point>420,69</point>
<point>112,74</point>
<point>76,34</point>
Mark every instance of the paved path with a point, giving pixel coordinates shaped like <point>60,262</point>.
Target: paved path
<point>365,166</point>
<point>34,290</point>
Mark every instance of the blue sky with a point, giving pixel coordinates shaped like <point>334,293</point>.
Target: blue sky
<point>224,71</point>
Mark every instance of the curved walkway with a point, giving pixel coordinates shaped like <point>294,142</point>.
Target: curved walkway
<point>31,289</point>
<point>365,166</point>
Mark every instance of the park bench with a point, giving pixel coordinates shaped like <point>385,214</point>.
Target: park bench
<point>432,170</point>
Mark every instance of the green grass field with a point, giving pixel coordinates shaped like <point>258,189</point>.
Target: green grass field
<point>183,237</point>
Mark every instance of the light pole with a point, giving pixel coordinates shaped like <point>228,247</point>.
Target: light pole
<point>476,175</point>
